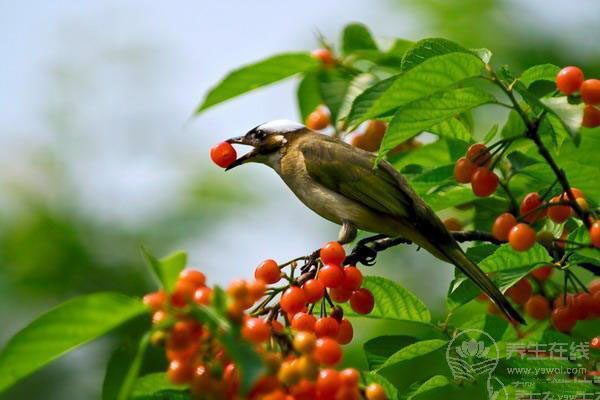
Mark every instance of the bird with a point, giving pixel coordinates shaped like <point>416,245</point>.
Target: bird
<point>345,185</point>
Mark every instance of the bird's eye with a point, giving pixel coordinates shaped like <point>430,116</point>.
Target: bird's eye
<point>259,134</point>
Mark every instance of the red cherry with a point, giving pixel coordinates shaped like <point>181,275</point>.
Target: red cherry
<point>537,307</point>
<point>595,234</point>
<point>327,327</point>
<point>591,117</point>
<point>304,322</point>
<point>323,55</point>
<point>520,291</point>
<point>349,377</point>
<point>542,274</point>
<point>521,237</point>
<point>328,383</point>
<point>327,351</point>
<point>346,332</point>
<point>453,224</point>
<point>362,301</point>
<point>268,271</point>
<point>590,91</point>
<point>156,300</point>
<point>558,214</point>
<point>484,182</point>
<point>594,285</point>
<point>314,290</point>
<point>340,294</point>
<point>333,253</point>
<point>223,154</point>
<point>353,278</point>
<point>203,296</point>
<point>193,276</point>
<point>530,203</point>
<point>583,305</point>
<point>180,372</point>
<point>293,300</point>
<point>331,275</point>
<point>563,320</point>
<point>479,155</point>
<point>595,343</point>
<point>569,80</point>
<point>464,170</point>
<point>256,330</point>
<point>502,226</point>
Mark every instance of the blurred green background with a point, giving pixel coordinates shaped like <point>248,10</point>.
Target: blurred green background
<point>98,153</point>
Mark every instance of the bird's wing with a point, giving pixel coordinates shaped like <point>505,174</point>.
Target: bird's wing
<point>349,171</point>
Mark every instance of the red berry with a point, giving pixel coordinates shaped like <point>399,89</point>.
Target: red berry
<point>328,383</point>
<point>203,296</point>
<point>502,226</point>
<point>464,170</point>
<point>304,322</point>
<point>327,351</point>
<point>349,377</point>
<point>563,320</point>
<point>594,285</point>
<point>453,224</point>
<point>268,271</point>
<point>327,327</point>
<point>520,291</point>
<point>340,294</point>
<point>521,237</point>
<point>595,234</point>
<point>479,155</point>
<point>590,91</point>
<point>569,80</point>
<point>346,332</point>
<point>583,305</point>
<point>293,300</point>
<point>155,300</point>
<point>333,253</point>
<point>375,392</point>
<point>323,55</point>
<point>537,307</point>
<point>314,290</point>
<point>530,203</point>
<point>193,276</point>
<point>558,214</point>
<point>180,372</point>
<point>318,119</point>
<point>591,117</point>
<point>595,343</point>
<point>542,273</point>
<point>223,154</point>
<point>560,301</point>
<point>256,330</point>
<point>484,182</point>
<point>183,292</point>
<point>331,275</point>
<point>362,301</point>
<point>352,278</point>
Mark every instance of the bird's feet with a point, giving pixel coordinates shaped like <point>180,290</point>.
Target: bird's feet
<point>361,253</point>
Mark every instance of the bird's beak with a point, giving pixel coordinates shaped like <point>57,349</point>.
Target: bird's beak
<point>246,157</point>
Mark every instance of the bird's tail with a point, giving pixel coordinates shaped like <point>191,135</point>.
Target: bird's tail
<point>475,274</point>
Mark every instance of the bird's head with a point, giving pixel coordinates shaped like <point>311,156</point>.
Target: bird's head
<point>268,140</point>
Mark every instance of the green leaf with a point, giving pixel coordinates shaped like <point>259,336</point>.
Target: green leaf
<point>452,128</point>
<point>333,86</point>
<point>505,258</point>
<point>490,324</point>
<point>427,48</point>
<point>308,95</point>
<point>491,134</point>
<point>392,301</point>
<point>355,88</point>
<point>62,329</point>
<point>417,116</point>
<point>357,37</point>
<point>158,386</point>
<point>582,235</point>
<point>429,155</point>
<point>569,114</point>
<point>379,349</point>
<point>543,72</point>
<point>371,377</point>
<point>123,369</point>
<point>413,351</point>
<point>428,77</point>
<point>520,161</point>
<point>435,384</point>
<point>450,196</point>
<point>166,269</point>
<point>256,75</point>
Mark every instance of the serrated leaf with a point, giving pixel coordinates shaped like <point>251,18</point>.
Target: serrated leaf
<point>123,368</point>
<point>569,114</point>
<point>543,72</point>
<point>63,329</point>
<point>505,258</point>
<point>413,351</point>
<point>428,77</point>
<point>427,48</point>
<point>435,176</point>
<point>157,386</point>
<point>308,95</point>
<point>490,324</point>
<point>429,155</point>
<point>450,196</point>
<point>355,88</point>
<point>452,128</point>
<point>484,54</point>
<point>371,377</point>
<point>357,37</point>
<point>256,75</point>
<point>419,115</point>
<point>433,384</point>
<point>333,86</point>
<point>379,349</point>
<point>392,301</point>
<point>520,161</point>
<point>167,269</point>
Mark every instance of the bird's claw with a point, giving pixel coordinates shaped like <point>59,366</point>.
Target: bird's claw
<point>363,254</point>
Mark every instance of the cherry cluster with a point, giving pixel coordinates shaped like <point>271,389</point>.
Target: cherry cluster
<point>565,309</point>
<point>474,168</point>
<point>299,349</point>
<point>570,81</point>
